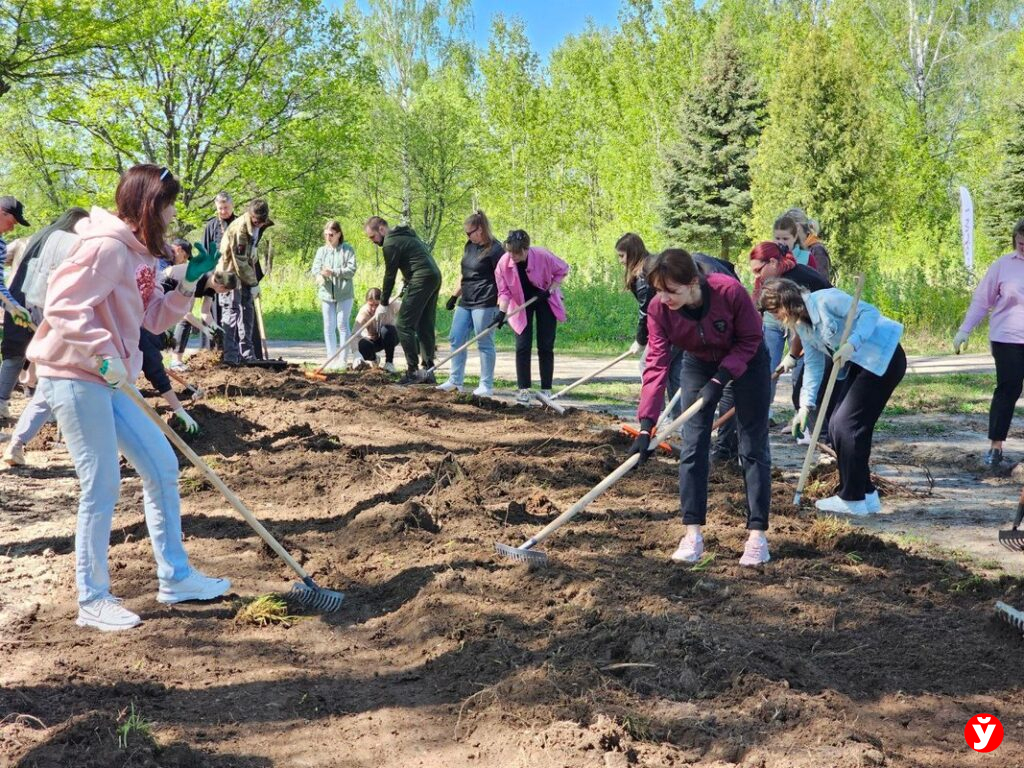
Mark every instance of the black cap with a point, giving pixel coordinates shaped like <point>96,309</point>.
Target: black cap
<point>517,240</point>
<point>15,208</point>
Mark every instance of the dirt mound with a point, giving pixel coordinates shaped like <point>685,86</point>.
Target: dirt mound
<point>845,650</point>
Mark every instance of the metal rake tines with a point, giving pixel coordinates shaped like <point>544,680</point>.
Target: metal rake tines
<point>1010,615</point>
<point>1013,540</point>
<point>528,556</point>
<point>317,598</point>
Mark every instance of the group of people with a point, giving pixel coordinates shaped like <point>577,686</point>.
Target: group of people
<point>101,288</point>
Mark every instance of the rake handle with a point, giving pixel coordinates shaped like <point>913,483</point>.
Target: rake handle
<point>352,337</point>
<point>182,381</point>
<point>589,376</point>
<point>833,376</point>
<point>214,479</point>
<point>484,332</point>
<point>263,331</point>
<point>607,483</point>
<point>732,411</point>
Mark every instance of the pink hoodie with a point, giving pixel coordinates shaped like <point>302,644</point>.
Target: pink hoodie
<point>98,299</point>
<point>543,269</point>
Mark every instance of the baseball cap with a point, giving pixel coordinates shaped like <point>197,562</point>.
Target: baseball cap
<point>14,207</point>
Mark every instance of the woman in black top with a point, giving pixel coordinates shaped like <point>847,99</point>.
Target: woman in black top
<point>477,299</point>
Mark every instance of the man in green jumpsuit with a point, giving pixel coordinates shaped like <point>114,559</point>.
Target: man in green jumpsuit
<point>405,252</point>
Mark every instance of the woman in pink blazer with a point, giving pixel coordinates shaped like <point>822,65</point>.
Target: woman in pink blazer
<point>525,272</point>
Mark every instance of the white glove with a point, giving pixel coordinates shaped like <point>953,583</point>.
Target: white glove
<point>799,423</point>
<point>112,370</point>
<point>187,422</point>
<point>255,291</point>
<point>635,347</point>
<point>382,310</point>
<point>958,341</point>
<point>788,364</point>
<point>843,354</point>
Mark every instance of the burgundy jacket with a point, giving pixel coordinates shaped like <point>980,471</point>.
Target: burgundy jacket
<point>729,333</point>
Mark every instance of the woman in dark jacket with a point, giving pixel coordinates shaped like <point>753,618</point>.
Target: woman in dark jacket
<point>713,320</point>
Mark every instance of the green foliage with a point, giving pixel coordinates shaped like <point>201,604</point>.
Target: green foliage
<point>133,727</point>
<point>1005,198</point>
<point>707,175</point>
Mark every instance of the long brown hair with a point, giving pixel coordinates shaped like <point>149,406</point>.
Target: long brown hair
<point>478,220</point>
<point>636,252</point>
<point>780,293</point>
<point>142,194</point>
<point>335,226</point>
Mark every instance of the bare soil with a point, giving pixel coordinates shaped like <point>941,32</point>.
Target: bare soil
<point>846,650</point>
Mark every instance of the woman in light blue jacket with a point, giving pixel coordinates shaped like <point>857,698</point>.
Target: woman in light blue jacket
<point>334,268</point>
<point>874,363</point>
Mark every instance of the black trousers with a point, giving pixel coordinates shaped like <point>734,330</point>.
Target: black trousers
<point>153,361</point>
<point>416,318</point>
<point>388,340</point>
<point>862,397</point>
<point>1009,383</point>
<point>538,314</point>
<point>752,394</point>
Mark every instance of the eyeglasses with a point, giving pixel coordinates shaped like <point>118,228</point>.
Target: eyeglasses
<point>164,173</point>
<point>472,231</point>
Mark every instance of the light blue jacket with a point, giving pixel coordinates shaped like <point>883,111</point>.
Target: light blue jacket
<point>874,337</point>
<point>342,262</point>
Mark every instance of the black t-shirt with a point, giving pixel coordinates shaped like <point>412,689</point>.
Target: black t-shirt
<point>807,277</point>
<point>529,289</point>
<point>479,289</point>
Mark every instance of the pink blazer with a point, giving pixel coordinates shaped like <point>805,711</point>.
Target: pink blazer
<point>544,270</point>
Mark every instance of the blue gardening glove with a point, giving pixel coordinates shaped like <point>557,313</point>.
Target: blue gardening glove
<point>204,260</point>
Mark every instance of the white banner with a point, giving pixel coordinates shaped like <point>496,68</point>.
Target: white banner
<point>967,229</point>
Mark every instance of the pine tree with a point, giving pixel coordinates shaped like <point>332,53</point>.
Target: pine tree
<point>1004,198</point>
<point>706,181</point>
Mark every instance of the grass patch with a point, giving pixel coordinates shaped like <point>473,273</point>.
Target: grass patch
<point>133,728</point>
<point>266,611</point>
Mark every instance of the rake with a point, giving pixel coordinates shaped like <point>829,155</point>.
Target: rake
<point>550,401</point>
<point>732,411</point>
<point>318,374</point>
<point>525,552</point>
<point>198,393</point>
<point>489,329</point>
<point>1010,615</point>
<point>1013,538</point>
<point>258,306</point>
<point>199,325</point>
<point>818,422</point>
<point>307,591</point>
<point>634,432</point>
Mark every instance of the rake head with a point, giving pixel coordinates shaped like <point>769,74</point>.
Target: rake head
<point>529,556</point>
<point>1010,615</point>
<point>1012,539</point>
<point>315,376</point>
<point>549,402</point>
<point>317,598</point>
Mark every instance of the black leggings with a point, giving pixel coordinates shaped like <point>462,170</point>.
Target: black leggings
<point>852,425</point>
<point>1009,383</point>
<point>388,340</point>
<point>546,327</point>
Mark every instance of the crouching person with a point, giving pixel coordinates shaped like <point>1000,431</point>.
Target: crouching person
<point>85,350</point>
<point>712,318</point>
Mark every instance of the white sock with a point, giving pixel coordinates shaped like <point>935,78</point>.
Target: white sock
<point>693,530</point>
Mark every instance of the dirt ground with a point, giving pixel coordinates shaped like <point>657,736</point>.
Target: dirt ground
<point>848,649</point>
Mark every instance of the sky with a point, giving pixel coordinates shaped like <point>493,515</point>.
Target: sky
<point>547,21</point>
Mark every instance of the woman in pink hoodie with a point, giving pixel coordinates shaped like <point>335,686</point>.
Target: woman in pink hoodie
<point>522,274</point>
<point>85,351</point>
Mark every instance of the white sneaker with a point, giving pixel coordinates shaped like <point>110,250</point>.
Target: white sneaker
<point>840,506</point>
<point>449,386</point>
<point>195,586</point>
<point>873,503</point>
<point>5,409</point>
<point>755,552</point>
<point>804,439</point>
<point>523,398</point>
<point>483,391</point>
<point>546,392</point>
<point>106,614</point>
<point>14,454</point>
<point>689,550</point>
<point>390,368</point>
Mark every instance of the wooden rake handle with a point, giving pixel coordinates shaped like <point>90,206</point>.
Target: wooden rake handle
<point>484,332</point>
<point>589,376</point>
<point>214,479</point>
<point>818,422</point>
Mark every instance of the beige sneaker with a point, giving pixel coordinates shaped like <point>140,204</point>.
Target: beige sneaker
<point>14,454</point>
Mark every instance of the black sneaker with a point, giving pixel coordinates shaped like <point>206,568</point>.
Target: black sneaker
<point>409,377</point>
<point>426,378</point>
<point>994,457</point>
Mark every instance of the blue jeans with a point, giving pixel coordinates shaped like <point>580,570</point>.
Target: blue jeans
<point>97,422</point>
<point>775,340</point>
<point>32,419</point>
<point>467,323</point>
<point>10,370</point>
<point>336,325</point>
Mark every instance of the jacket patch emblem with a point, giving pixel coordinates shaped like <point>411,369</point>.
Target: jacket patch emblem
<point>720,325</point>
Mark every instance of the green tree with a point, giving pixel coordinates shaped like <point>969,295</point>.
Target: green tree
<point>821,149</point>
<point>1004,198</point>
<point>706,180</point>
